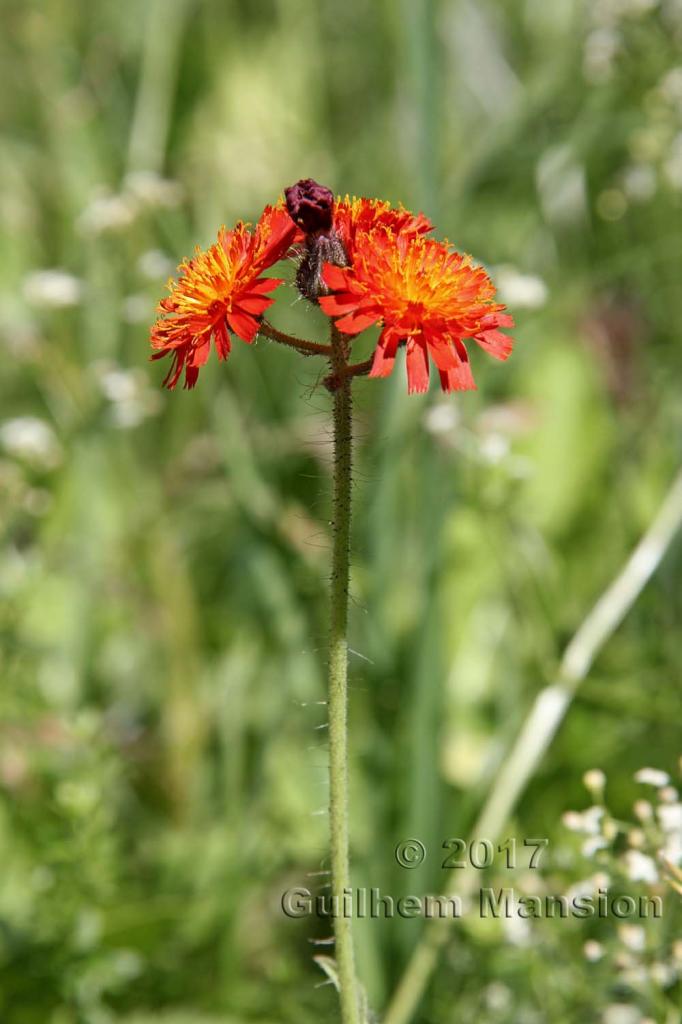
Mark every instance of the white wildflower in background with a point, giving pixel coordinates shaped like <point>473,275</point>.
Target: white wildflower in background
<point>601,48</point>
<point>52,289</point>
<point>643,810</point>
<point>132,399</point>
<point>588,886</point>
<point>592,819</point>
<point>670,817</point>
<point>589,822</point>
<point>573,821</point>
<point>663,974</point>
<point>594,780</point>
<point>671,851</point>
<point>622,1013</point>
<point>637,839</point>
<point>639,182</point>
<point>525,291</point>
<point>115,211</point>
<point>498,997</point>
<point>633,937</point>
<point>32,440</point>
<point>441,418</point>
<point>593,951</point>
<point>153,190</point>
<point>119,385</point>
<point>593,845</point>
<point>107,211</point>
<point>494,448</point>
<point>652,777</point>
<point>155,265</point>
<point>631,949</point>
<point>137,309</point>
<point>517,930</point>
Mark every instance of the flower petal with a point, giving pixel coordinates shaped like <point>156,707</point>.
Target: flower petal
<point>275,234</point>
<point>256,304</point>
<point>338,304</point>
<point>199,354</point>
<point>243,325</point>
<point>497,320</point>
<point>191,377</point>
<point>384,354</point>
<point>264,284</point>
<point>495,343</point>
<point>356,321</point>
<point>458,378</point>
<point>335,277</point>
<point>417,366</point>
<point>222,340</point>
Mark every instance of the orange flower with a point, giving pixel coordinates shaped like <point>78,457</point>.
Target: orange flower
<point>356,217</point>
<point>220,291</point>
<point>425,296</point>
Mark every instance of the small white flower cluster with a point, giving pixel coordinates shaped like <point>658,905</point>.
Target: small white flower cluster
<point>110,211</point>
<point>489,440</point>
<point>129,392</point>
<point>517,289</point>
<point>594,823</point>
<point>32,441</point>
<point>655,140</point>
<point>639,966</point>
<point>52,289</point>
<point>654,841</point>
<point>609,19</point>
<point>652,857</point>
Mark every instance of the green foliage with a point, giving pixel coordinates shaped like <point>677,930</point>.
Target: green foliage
<point>164,558</point>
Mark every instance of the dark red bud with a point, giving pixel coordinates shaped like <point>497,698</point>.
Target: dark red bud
<point>310,205</point>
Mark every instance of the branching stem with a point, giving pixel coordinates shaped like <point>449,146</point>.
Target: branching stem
<point>306,348</point>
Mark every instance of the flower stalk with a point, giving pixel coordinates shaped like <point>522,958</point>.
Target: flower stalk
<point>338,678</point>
<point>363,263</point>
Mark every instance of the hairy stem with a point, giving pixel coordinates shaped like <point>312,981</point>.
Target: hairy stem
<point>359,369</point>
<point>306,348</point>
<point>338,682</point>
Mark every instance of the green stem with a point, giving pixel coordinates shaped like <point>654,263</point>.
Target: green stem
<point>338,683</point>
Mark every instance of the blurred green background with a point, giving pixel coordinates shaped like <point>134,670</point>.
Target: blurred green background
<point>164,557</point>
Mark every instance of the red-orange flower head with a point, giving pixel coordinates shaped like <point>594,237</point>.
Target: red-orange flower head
<point>364,261</point>
<point>354,218</point>
<point>220,291</point>
<point>425,296</point>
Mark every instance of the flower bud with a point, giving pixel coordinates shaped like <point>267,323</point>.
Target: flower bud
<point>311,207</point>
